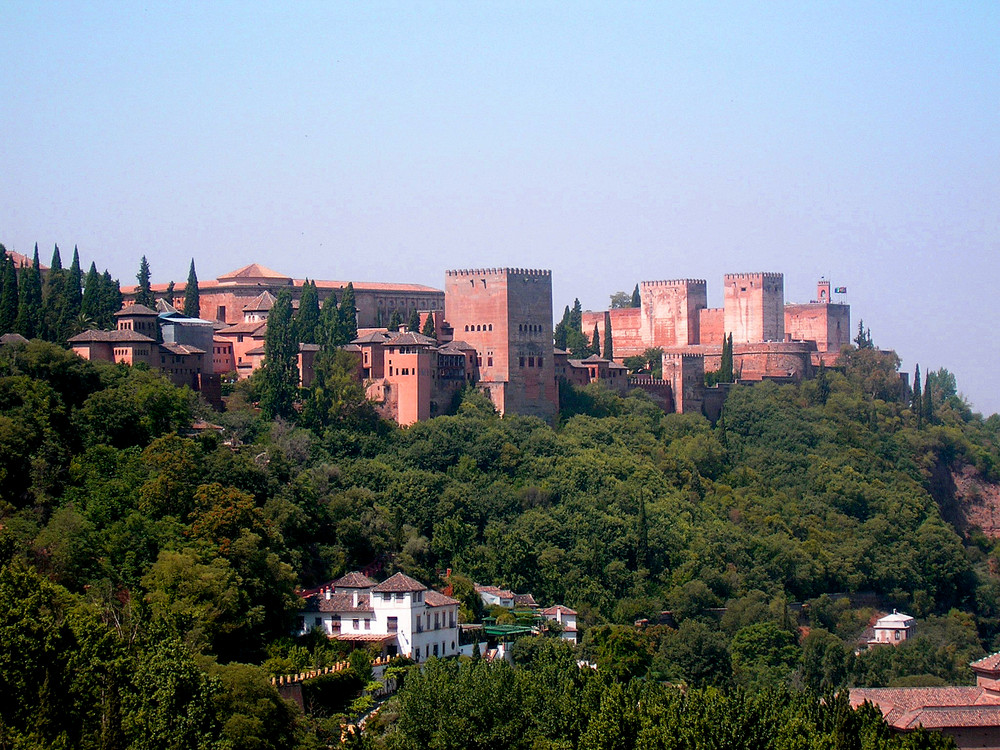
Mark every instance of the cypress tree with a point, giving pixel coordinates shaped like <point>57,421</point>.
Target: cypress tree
<point>8,297</point>
<point>110,299</point>
<point>144,292</point>
<point>74,288</point>
<point>279,376</point>
<point>609,348</point>
<point>307,321</point>
<point>330,326</point>
<point>192,297</point>
<point>53,300</point>
<point>636,298</point>
<point>928,400</point>
<point>413,324</point>
<point>595,341</point>
<point>395,321</point>
<point>169,294</point>
<point>90,305</point>
<point>348,314</point>
<point>726,363</point>
<point>429,330</point>
<point>918,404</point>
<point>29,307</point>
<point>576,317</point>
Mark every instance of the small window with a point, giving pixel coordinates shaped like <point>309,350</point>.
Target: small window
<point>418,654</point>
<point>520,361</point>
<point>368,624</point>
<point>531,361</point>
<point>357,623</point>
<point>435,649</point>
<point>540,360</point>
<point>400,596</point>
<point>489,361</point>
<point>491,326</point>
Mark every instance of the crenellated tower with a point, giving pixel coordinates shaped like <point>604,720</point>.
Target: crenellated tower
<point>755,306</point>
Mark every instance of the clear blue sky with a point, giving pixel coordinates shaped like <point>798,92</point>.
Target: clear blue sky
<point>609,142</point>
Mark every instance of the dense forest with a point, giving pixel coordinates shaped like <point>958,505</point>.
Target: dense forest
<point>149,570</point>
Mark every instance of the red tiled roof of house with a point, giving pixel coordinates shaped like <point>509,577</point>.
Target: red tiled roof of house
<point>410,338</point>
<point>989,663</point>
<point>182,349</point>
<point>372,337</point>
<point>365,637</point>
<point>437,599</point>
<point>254,271</point>
<point>261,303</point>
<point>399,583</point>
<point>338,603</point>
<point>23,261</point>
<point>122,337</point>
<point>251,327</point>
<point>135,310</point>
<point>556,609</point>
<point>525,600</point>
<point>353,580</point>
<point>932,707</point>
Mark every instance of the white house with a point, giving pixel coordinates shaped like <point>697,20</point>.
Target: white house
<point>400,614</point>
<point>496,596</point>
<point>893,629</point>
<point>565,617</point>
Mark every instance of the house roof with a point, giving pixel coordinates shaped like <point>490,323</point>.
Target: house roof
<point>309,347</point>
<point>437,599</point>
<point>365,637</point>
<point>261,303</point>
<point>465,346</point>
<point>989,663</point>
<point>933,707</point>
<point>137,309</point>
<point>162,306</point>
<point>23,261</point>
<point>12,338</point>
<point>353,580</point>
<point>557,609</point>
<point>525,600</point>
<point>250,327</point>
<point>253,272</point>
<point>113,337</point>
<point>372,337</point>
<point>337,603</point>
<point>182,349</point>
<point>400,582</point>
<point>895,620</point>
<point>411,338</point>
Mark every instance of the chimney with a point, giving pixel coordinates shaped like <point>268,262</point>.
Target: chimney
<point>355,598</point>
<point>327,592</point>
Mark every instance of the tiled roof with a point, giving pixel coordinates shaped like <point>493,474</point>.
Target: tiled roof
<point>245,327</point>
<point>366,637</point>
<point>399,583</point>
<point>23,261</point>
<point>524,600</point>
<point>465,346</point>
<point>374,286</point>
<point>437,599</point>
<point>162,306</point>
<point>114,337</point>
<point>411,338</point>
<point>557,609</point>
<point>353,580</point>
<point>372,337</point>
<point>337,603</point>
<point>262,302</point>
<point>129,310</point>
<point>987,663</point>
<point>309,347</point>
<point>12,338</point>
<point>257,350</point>
<point>254,271</point>
<point>908,708</point>
<point>182,349</point>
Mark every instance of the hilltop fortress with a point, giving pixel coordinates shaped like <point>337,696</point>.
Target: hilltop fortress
<point>493,328</point>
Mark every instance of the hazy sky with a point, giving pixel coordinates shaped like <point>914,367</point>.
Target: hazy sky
<point>609,142</point>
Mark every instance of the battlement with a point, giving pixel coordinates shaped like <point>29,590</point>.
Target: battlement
<point>759,275</point>
<point>500,272</point>
<point>683,356</point>
<point>673,282</point>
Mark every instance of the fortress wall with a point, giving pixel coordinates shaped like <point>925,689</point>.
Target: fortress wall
<point>670,311</point>
<point>712,327</point>
<point>788,359</point>
<point>754,306</point>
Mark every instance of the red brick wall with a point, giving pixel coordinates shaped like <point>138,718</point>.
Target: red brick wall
<point>773,359</point>
<point>670,314</point>
<point>828,325</point>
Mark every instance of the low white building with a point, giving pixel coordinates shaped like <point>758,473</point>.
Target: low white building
<point>400,614</point>
<point>494,596</point>
<point>566,617</point>
<point>893,629</point>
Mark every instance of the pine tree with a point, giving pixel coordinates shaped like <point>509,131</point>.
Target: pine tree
<point>609,348</point>
<point>918,404</point>
<point>192,296</point>
<point>429,330</point>
<point>595,341</point>
<point>307,321</point>
<point>395,321</point>
<point>144,292</point>
<point>348,314</point>
<point>278,382</point>
<point>8,296</point>
<point>29,307</point>
<point>636,298</point>
<point>413,324</point>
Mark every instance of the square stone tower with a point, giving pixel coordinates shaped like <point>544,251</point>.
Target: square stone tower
<point>670,316</point>
<point>755,307</point>
<point>506,314</point>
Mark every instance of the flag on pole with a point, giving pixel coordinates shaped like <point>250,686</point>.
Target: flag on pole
<point>840,290</point>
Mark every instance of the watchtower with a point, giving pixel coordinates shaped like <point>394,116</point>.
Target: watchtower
<point>755,307</point>
<point>670,311</point>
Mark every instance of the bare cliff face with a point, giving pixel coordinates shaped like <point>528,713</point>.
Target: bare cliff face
<point>977,500</point>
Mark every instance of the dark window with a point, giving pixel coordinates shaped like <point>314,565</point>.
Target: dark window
<point>392,624</point>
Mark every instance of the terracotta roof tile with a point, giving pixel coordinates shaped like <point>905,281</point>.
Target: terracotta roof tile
<point>337,603</point>
<point>135,310</point>
<point>245,327</point>
<point>399,583</point>
<point>353,580</point>
<point>122,337</point>
<point>411,338</point>
<point>437,599</point>
<point>254,271</point>
<point>556,609</point>
<point>989,663</point>
<point>261,303</point>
